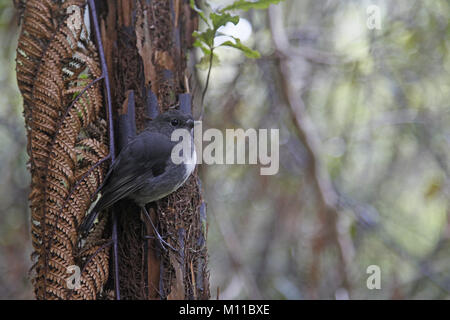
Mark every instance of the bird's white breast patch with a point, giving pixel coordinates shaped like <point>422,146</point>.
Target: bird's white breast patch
<point>190,160</point>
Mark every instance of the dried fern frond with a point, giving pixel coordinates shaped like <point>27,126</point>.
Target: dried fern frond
<point>57,73</point>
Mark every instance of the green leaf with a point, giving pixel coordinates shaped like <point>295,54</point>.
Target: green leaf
<point>246,5</point>
<point>249,53</point>
<point>199,11</point>
<point>199,44</point>
<point>206,36</point>
<point>220,20</point>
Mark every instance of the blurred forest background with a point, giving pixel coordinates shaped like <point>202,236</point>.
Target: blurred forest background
<point>364,123</point>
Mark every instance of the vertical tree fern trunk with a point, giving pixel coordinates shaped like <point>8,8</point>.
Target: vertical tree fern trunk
<point>146,42</point>
<point>60,74</point>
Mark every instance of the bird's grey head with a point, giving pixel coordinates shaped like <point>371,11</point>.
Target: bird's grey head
<point>171,120</point>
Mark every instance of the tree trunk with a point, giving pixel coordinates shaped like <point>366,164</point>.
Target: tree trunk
<point>145,47</point>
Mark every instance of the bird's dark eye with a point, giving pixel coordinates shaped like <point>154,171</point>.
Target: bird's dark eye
<point>174,122</point>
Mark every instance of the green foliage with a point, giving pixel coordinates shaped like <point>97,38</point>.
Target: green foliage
<point>249,53</point>
<point>221,19</point>
<point>246,5</point>
<point>217,19</point>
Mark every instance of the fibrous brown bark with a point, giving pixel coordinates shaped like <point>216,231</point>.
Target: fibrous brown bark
<point>145,47</point>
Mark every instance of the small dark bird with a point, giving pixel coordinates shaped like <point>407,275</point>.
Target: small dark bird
<point>144,171</point>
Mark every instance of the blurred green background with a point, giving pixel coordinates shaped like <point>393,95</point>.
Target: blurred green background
<point>364,124</point>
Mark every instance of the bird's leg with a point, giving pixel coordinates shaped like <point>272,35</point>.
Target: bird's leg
<point>116,254</point>
<point>161,240</point>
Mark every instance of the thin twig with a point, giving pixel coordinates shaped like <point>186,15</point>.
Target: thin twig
<point>207,83</point>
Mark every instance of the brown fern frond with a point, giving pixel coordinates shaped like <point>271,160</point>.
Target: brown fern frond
<point>57,73</point>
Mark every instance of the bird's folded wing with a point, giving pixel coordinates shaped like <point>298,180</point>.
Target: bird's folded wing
<point>144,157</point>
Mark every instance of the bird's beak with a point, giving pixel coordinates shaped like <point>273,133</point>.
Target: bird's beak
<point>190,123</point>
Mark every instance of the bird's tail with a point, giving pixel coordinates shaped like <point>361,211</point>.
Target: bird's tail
<point>87,223</point>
